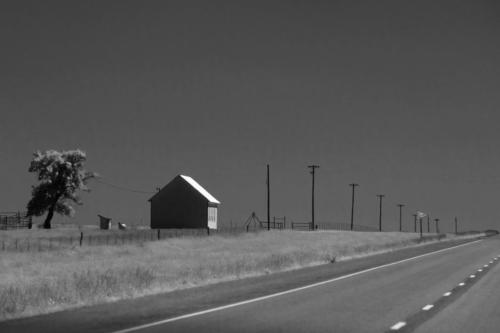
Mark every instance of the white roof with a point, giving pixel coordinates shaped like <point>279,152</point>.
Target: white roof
<point>200,189</point>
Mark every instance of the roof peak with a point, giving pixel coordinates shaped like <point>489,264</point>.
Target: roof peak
<point>200,189</point>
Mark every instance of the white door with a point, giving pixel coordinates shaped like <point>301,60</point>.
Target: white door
<point>212,217</point>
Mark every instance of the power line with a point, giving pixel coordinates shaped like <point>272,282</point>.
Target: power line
<point>122,188</point>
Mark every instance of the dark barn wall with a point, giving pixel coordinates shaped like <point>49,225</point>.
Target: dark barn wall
<point>179,205</point>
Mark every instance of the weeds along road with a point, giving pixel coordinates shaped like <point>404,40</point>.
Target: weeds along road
<point>372,294</point>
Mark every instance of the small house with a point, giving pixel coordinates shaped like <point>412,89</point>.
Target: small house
<point>183,203</point>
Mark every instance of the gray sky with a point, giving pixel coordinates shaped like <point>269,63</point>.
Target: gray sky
<point>398,96</point>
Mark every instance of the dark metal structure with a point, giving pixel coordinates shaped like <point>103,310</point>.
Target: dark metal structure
<point>253,222</point>
<point>183,203</point>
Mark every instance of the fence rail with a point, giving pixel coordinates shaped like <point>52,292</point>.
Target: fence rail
<point>346,227</point>
<point>15,220</point>
<point>302,225</point>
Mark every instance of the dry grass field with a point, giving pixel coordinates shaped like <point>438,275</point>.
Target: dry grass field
<point>47,281</point>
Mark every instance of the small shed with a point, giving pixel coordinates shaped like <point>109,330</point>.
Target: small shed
<point>104,222</point>
<point>183,203</point>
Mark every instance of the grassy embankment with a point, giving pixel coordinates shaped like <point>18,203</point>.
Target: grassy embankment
<point>40,282</point>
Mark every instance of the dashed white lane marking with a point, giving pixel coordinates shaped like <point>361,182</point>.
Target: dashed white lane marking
<point>485,266</point>
<point>428,307</point>
<point>461,284</point>
<point>480,270</point>
<point>286,292</point>
<point>491,262</point>
<point>472,276</point>
<point>398,326</point>
<point>447,294</point>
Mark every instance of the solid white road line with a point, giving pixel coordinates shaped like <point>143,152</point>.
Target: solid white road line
<point>447,294</point>
<point>398,325</point>
<point>428,307</point>
<point>258,299</point>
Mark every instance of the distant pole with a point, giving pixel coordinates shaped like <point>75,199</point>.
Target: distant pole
<point>313,168</point>
<point>400,217</point>
<point>428,223</point>
<point>352,205</point>
<point>420,227</point>
<point>456,225</point>
<point>437,225</point>
<point>415,222</point>
<point>268,201</point>
<point>380,196</point>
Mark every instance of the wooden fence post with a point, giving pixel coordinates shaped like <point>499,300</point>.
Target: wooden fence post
<point>81,238</point>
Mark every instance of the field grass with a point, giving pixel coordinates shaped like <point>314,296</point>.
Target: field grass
<point>40,282</point>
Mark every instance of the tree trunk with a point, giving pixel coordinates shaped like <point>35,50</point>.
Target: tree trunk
<point>46,224</point>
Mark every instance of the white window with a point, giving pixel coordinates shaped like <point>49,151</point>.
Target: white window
<point>212,217</point>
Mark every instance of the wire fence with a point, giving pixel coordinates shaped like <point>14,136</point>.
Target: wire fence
<point>67,239</point>
<point>102,238</point>
<point>330,226</point>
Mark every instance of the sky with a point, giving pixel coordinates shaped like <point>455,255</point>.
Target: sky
<point>400,97</point>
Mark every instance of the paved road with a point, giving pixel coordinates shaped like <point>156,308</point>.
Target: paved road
<point>364,295</point>
<point>477,311</point>
<point>369,302</point>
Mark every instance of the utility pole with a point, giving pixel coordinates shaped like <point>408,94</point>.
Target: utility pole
<point>415,222</point>
<point>268,201</point>
<point>400,217</point>
<point>420,227</point>
<point>313,168</point>
<point>437,225</point>
<point>428,223</point>
<point>380,196</point>
<point>352,205</point>
<point>456,225</point>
